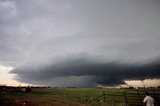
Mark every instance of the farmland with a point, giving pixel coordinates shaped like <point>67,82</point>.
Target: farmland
<point>63,97</point>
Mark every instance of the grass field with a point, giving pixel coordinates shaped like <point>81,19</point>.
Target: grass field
<point>61,97</point>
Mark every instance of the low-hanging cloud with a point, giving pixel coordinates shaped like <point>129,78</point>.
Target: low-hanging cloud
<point>82,42</point>
<point>87,71</point>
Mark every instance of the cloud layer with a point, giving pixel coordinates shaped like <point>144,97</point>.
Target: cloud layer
<point>80,43</point>
<point>85,72</point>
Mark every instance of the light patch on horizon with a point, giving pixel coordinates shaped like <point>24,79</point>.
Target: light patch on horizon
<point>143,83</point>
<point>8,78</point>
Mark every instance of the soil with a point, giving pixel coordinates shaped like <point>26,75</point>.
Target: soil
<point>12,100</point>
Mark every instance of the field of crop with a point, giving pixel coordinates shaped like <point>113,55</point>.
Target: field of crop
<point>62,97</point>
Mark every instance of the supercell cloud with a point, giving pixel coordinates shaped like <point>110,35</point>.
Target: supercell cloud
<point>80,43</point>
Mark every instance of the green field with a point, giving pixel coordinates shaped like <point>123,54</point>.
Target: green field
<point>62,97</point>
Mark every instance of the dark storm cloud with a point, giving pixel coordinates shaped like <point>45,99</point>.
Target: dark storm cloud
<point>81,43</point>
<point>99,72</point>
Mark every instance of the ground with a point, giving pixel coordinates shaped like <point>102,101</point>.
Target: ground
<point>62,97</point>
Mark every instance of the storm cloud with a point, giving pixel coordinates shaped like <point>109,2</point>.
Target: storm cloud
<point>88,71</point>
<point>80,43</point>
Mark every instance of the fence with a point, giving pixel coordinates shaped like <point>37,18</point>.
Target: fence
<point>127,98</point>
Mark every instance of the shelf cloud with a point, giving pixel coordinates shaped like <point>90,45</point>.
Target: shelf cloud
<point>80,43</point>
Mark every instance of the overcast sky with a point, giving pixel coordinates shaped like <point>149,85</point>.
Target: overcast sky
<point>80,43</point>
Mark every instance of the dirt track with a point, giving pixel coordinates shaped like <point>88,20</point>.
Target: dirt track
<point>12,100</point>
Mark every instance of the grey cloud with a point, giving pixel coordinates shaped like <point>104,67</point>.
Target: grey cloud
<point>98,72</point>
<point>37,36</point>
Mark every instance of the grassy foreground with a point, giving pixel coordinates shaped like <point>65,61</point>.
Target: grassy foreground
<point>54,97</point>
<point>65,97</point>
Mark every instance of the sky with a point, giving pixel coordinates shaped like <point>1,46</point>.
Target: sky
<point>80,43</point>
